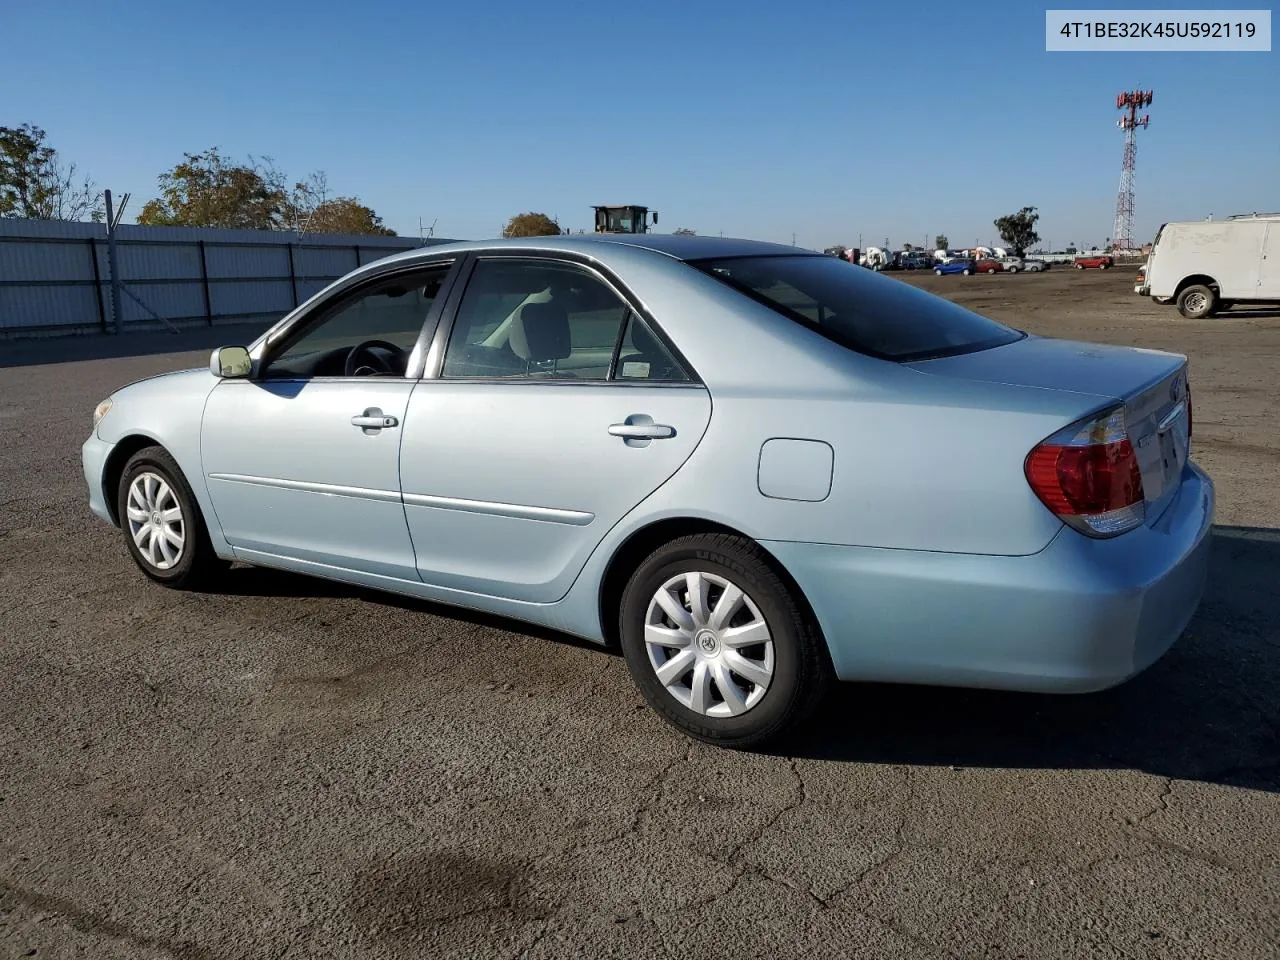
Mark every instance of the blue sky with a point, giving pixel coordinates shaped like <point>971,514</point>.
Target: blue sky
<point>823,119</point>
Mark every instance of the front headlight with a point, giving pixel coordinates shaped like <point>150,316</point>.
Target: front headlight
<point>100,411</point>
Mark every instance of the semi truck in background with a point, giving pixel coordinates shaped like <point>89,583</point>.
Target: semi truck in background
<point>1206,266</point>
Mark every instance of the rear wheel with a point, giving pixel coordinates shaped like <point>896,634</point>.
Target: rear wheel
<point>938,272</point>
<point>966,271</point>
<point>991,270</point>
<point>1079,266</point>
<point>719,645</point>
<point>1197,301</point>
<point>1013,269</point>
<point>163,527</point>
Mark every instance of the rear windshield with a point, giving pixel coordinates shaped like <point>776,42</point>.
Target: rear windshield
<point>860,309</point>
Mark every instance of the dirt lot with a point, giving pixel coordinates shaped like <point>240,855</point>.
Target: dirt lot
<point>293,769</point>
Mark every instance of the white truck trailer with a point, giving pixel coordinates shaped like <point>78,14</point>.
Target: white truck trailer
<point>1205,266</point>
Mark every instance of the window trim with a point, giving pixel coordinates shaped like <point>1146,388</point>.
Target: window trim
<point>280,340</point>
<point>433,364</point>
<point>703,265</point>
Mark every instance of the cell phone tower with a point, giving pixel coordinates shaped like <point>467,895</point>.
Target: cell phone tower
<point>1122,232</point>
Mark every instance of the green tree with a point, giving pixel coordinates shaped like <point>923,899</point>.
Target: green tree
<point>310,209</point>
<point>684,232</point>
<point>1019,229</point>
<point>347,215</point>
<point>36,185</point>
<point>531,225</point>
<point>208,190</point>
<point>940,242</point>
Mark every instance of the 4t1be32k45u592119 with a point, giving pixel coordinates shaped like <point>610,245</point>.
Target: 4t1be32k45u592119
<point>755,468</point>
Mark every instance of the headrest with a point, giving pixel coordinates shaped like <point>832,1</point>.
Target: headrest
<point>541,332</point>
<point>643,340</point>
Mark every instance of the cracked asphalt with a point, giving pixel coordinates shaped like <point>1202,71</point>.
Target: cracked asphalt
<point>296,769</point>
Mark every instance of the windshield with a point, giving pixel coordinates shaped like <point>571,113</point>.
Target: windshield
<point>859,309</point>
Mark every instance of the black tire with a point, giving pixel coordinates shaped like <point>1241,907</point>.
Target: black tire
<point>196,565</point>
<point>1079,266</point>
<point>802,670</point>
<point>1013,270</point>
<point>966,271</point>
<point>1197,302</point>
<point>938,272</point>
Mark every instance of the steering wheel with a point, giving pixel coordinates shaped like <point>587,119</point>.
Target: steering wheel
<point>377,363</point>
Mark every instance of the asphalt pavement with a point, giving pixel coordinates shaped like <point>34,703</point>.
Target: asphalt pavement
<point>290,768</point>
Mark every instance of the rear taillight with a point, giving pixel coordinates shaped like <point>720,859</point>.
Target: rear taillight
<point>1088,475</point>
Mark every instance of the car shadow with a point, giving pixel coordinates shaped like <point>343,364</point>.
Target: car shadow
<point>248,581</point>
<point>1249,313</point>
<point>1209,710</point>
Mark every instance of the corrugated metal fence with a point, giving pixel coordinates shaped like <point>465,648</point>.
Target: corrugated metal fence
<point>55,278</point>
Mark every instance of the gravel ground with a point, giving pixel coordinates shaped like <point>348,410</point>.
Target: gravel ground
<point>296,769</point>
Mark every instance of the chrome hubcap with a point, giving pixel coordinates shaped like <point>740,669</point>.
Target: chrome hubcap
<point>1196,302</point>
<point>709,645</point>
<point>155,520</point>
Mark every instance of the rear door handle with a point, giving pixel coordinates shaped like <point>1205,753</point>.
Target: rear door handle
<point>373,419</point>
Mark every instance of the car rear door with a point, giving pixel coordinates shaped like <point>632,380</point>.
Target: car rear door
<point>554,408</point>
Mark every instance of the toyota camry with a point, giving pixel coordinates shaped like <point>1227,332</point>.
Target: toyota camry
<point>754,468</point>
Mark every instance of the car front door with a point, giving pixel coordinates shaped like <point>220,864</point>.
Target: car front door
<point>302,459</point>
<point>554,409</point>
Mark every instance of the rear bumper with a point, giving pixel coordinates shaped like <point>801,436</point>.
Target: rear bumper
<point>93,460</point>
<point>1080,615</point>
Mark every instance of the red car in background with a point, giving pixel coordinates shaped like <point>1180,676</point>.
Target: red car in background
<point>1102,261</point>
<point>988,265</point>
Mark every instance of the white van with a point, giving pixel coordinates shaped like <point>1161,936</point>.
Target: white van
<point>1204,266</point>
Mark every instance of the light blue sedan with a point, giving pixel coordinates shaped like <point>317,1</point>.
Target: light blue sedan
<point>755,468</point>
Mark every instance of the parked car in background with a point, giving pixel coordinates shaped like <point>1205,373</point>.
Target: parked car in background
<point>1102,261</point>
<point>1207,266</point>
<point>1012,264</point>
<point>989,265</point>
<point>957,265</point>
<point>751,468</point>
<point>1032,265</point>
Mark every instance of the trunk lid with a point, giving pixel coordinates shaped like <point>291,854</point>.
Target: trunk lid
<point>1152,385</point>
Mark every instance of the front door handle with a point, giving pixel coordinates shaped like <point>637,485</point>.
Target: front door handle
<point>642,431</point>
<point>373,420</point>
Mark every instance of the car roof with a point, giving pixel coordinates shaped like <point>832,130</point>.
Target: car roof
<point>672,245</point>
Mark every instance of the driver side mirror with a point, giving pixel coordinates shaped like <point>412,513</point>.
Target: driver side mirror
<point>230,363</point>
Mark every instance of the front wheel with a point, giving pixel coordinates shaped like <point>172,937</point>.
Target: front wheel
<point>991,270</point>
<point>1197,301</point>
<point>719,645</point>
<point>966,271</point>
<point>1013,269</point>
<point>163,528</point>
<point>938,272</point>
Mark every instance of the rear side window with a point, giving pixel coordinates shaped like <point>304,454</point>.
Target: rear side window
<point>860,309</point>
